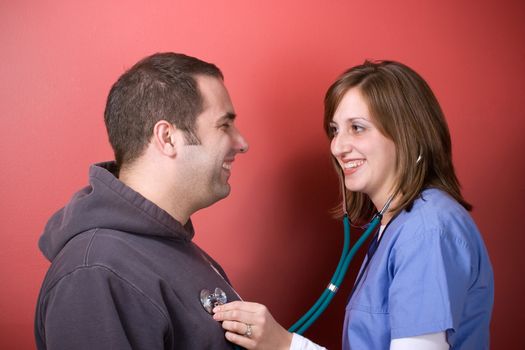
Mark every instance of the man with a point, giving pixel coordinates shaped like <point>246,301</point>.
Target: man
<point>125,272</point>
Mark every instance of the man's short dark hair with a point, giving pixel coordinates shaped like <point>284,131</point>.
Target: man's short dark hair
<point>159,87</point>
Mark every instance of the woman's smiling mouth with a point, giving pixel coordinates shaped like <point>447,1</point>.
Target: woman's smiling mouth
<point>353,164</point>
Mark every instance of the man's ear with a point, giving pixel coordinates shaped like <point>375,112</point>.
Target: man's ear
<point>165,137</point>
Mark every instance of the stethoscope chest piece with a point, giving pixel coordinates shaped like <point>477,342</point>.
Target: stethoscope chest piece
<point>209,300</point>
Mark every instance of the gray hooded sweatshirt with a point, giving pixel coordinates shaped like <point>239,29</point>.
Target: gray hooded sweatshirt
<point>124,274</point>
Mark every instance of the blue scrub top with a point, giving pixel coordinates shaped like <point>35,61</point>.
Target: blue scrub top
<point>431,273</point>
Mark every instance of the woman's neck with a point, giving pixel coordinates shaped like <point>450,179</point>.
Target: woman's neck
<point>380,203</point>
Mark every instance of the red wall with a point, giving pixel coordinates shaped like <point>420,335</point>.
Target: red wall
<point>274,234</point>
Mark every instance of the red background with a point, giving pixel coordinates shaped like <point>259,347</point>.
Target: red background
<point>273,235</point>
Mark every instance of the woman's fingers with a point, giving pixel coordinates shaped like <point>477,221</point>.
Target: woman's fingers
<point>236,315</point>
<point>241,333</point>
<point>238,305</point>
<point>250,313</point>
<point>251,326</point>
<point>240,340</point>
<point>239,328</point>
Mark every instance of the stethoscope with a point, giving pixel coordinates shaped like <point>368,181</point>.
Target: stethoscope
<point>218,297</point>
<point>347,255</point>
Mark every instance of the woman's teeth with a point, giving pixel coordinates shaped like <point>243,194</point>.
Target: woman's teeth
<point>353,164</point>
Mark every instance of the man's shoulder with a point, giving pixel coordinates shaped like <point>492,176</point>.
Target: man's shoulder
<point>100,242</point>
<point>113,250</point>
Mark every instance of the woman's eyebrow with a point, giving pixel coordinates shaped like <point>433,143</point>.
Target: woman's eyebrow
<point>352,119</point>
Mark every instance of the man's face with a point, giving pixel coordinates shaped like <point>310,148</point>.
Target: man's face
<point>209,163</point>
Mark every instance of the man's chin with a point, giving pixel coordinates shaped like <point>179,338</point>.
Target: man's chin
<point>220,192</point>
<point>224,191</point>
<point>215,196</point>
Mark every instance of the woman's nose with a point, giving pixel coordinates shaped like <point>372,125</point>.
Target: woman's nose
<point>340,145</point>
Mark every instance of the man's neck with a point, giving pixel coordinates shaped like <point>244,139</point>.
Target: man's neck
<point>150,184</point>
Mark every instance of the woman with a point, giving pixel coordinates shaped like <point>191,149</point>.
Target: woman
<point>429,283</point>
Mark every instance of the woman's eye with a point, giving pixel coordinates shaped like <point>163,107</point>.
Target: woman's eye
<point>357,128</point>
<point>332,130</point>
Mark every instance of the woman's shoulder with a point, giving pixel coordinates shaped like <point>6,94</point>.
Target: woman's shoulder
<point>435,213</point>
<point>433,199</point>
<point>435,206</point>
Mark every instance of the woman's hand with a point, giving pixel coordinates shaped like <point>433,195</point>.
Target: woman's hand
<point>251,326</point>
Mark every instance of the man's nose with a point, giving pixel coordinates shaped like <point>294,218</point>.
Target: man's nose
<point>242,146</point>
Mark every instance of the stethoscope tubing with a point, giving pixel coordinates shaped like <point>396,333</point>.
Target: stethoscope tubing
<point>296,327</point>
<point>347,255</point>
<point>342,267</point>
<point>328,294</point>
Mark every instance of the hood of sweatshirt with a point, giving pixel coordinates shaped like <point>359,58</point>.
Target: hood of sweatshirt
<point>107,203</point>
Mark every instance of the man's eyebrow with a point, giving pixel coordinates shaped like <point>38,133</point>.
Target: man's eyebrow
<point>230,116</point>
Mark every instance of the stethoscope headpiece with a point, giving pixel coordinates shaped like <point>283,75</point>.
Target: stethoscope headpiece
<point>210,300</point>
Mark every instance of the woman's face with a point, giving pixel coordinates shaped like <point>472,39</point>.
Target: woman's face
<point>366,156</point>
